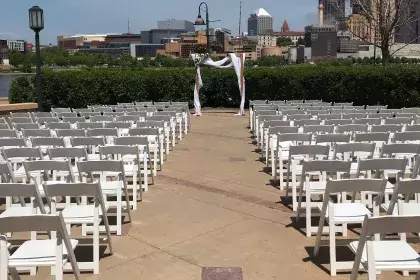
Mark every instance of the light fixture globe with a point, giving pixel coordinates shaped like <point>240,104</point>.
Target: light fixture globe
<point>36,18</point>
<point>199,21</point>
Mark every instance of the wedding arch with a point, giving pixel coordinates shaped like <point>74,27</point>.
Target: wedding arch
<point>233,60</point>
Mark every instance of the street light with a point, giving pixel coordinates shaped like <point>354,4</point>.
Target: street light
<point>36,23</point>
<point>200,21</point>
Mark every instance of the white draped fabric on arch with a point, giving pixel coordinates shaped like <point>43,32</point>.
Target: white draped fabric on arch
<point>231,61</point>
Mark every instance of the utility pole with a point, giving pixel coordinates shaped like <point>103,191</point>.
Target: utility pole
<point>240,17</point>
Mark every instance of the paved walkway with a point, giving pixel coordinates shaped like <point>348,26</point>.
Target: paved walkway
<point>213,206</point>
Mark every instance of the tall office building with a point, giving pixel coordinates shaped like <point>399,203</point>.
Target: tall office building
<point>334,11</point>
<point>259,22</point>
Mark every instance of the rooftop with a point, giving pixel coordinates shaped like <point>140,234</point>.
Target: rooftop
<point>260,12</point>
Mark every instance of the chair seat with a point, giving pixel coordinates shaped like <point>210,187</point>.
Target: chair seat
<point>111,187</point>
<point>316,187</point>
<point>80,214</point>
<point>94,157</point>
<point>348,213</point>
<point>18,211</point>
<point>38,253</point>
<point>391,255</point>
<point>408,209</point>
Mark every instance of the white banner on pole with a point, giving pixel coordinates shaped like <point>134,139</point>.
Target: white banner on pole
<point>198,85</point>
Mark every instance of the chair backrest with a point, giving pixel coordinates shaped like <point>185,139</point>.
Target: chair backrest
<point>408,188</point>
<point>414,127</point>
<point>90,125</point>
<point>159,118</point>
<point>311,150</point>
<point>412,116</point>
<point>306,122</point>
<point>48,165</point>
<point>355,185</point>
<point>60,110</point>
<point>399,120</point>
<point>352,128</point>
<point>332,166</point>
<point>8,133</point>
<point>66,115</point>
<point>23,190</point>
<point>295,137</point>
<point>351,148</point>
<point>143,103</point>
<point>74,119</point>
<point>88,115</point>
<point>58,125</point>
<point>131,140</point>
<point>87,141</point>
<point>132,118</point>
<point>143,132</point>
<point>12,142</point>
<point>122,150</point>
<point>20,115</point>
<point>273,123</point>
<point>315,112</point>
<point>123,110</point>
<point>338,122</point>
<point>36,133</point>
<point>393,149</point>
<point>69,153</point>
<point>20,126</point>
<point>370,121</point>
<point>289,112</point>
<point>341,104</point>
<point>4,126</point>
<point>371,137</point>
<point>387,128</point>
<point>21,120</point>
<point>23,152</point>
<point>103,132</point>
<point>101,166</point>
<point>329,116</point>
<point>47,120</point>
<point>71,133</point>
<point>407,136</point>
<point>151,124</point>
<point>318,129</point>
<point>83,110</point>
<point>118,125</point>
<point>299,117</point>
<point>381,164</point>
<point>332,138</point>
<point>282,129</point>
<point>101,119</point>
<point>137,114</point>
<point>47,142</point>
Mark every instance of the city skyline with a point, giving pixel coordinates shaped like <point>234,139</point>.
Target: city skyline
<point>107,16</point>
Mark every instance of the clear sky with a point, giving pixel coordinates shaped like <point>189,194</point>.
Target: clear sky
<point>69,17</point>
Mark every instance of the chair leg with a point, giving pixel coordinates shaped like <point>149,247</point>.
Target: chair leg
<point>119,212</point>
<point>96,248</point>
<point>333,258</point>
<point>308,214</point>
<point>418,275</point>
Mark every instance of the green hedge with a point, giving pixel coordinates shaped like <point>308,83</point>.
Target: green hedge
<point>397,86</point>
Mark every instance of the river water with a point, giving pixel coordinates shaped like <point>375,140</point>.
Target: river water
<point>5,81</point>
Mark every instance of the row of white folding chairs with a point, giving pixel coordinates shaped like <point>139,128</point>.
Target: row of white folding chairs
<point>339,118</point>
<point>268,135</point>
<point>165,134</point>
<point>368,145</point>
<point>176,125</point>
<point>148,142</point>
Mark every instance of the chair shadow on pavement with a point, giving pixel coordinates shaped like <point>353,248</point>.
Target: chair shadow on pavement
<point>322,261</point>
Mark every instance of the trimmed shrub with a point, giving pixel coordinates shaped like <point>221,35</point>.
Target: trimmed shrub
<point>396,85</point>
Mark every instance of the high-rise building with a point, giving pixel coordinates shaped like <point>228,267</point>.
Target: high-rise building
<point>323,41</point>
<point>259,22</point>
<point>334,11</point>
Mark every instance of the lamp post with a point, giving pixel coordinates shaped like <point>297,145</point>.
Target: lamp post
<point>36,23</point>
<point>200,21</point>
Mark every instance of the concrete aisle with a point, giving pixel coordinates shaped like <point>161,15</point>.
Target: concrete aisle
<point>212,206</point>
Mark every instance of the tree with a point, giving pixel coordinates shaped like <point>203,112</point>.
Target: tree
<point>300,41</point>
<point>16,58</point>
<point>284,42</point>
<point>379,21</point>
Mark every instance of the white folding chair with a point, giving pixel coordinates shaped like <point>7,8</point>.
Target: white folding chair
<point>91,144</point>
<point>323,169</point>
<point>130,156</point>
<point>294,167</point>
<point>45,252</point>
<point>155,144</point>
<point>106,169</point>
<point>353,152</point>
<point>82,213</point>
<point>375,254</point>
<point>16,156</point>
<point>344,213</point>
<point>271,143</point>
